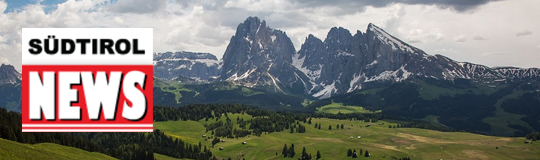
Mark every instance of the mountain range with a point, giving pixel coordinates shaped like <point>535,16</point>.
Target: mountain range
<point>261,57</point>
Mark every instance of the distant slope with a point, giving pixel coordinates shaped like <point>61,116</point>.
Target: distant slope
<point>172,93</point>
<point>503,109</point>
<point>10,96</point>
<point>14,150</point>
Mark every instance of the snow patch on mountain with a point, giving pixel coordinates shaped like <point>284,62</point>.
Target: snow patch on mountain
<point>391,40</point>
<point>326,92</point>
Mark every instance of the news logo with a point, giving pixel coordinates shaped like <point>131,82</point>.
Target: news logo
<point>87,79</point>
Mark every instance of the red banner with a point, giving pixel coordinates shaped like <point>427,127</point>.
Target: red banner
<point>87,98</point>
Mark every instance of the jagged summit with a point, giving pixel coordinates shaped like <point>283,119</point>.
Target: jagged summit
<point>389,39</point>
<point>258,55</point>
<point>9,75</point>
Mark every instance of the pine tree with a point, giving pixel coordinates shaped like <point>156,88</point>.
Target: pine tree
<point>366,154</point>
<point>285,151</point>
<point>309,121</point>
<point>330,127</point>
<point>318,154</point>
<point>349,152</point>
<point>304,153</point>
<point>291,151</point>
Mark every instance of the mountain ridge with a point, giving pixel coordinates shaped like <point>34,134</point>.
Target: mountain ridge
<point>263,57</point>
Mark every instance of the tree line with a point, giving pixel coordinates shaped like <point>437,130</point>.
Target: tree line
<point>119,145</point>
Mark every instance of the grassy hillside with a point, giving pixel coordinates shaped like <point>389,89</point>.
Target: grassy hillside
<point>335,108</point>
<point>15,150</point>
<point>378,139</point>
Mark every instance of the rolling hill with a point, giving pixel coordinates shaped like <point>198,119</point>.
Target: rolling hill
<point>14,150</point>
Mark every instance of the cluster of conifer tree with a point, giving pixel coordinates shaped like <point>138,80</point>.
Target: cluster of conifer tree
<point>534,136</point>
<point>353,154</point>
<point>263,121</point>
<point>118,145</point>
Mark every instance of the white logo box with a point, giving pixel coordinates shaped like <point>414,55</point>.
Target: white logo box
<point>144,36</point>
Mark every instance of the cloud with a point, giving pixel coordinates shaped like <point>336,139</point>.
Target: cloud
<point>418,35</point>
<point>478,38</point>
<point>444,50</point>
<point>460,38</point>
<point>455,5</point>
<point>524,33</point>
<point>138,6</point>
<point>3,6</point>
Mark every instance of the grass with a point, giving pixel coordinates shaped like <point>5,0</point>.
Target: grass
<point>163,157</point>
<point>378,139</point>
<point>14,150</point>
<point>248,92</point>
<point>339,107</point>
<point>173,87</point>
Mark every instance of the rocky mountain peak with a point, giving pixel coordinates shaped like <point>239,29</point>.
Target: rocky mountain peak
<point>8,74</point>
<point>258,55</point>
<point>388,39</point>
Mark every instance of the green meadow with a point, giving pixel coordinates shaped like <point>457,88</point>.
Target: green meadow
<point>381,141</point>
<point>14,150</point>
<point>340,108</point>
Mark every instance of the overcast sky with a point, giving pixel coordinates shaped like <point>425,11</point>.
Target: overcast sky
<point>489,32</point>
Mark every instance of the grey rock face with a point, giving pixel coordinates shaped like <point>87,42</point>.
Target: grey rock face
<point>200,66</point>
<point>344,63</point>
<point>258,55</point>
<point>8,74</point>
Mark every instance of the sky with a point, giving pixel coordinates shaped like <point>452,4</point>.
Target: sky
<point>489,32</point>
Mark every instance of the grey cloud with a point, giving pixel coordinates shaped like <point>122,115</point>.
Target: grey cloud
<point>478,38</point>
<point>138,6</point>
<point>524,33</point>
<point>460,38</point>
<point>457,5</point>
